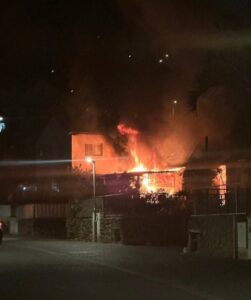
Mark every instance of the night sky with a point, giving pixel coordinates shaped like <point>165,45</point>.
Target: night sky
<point>112,61</point>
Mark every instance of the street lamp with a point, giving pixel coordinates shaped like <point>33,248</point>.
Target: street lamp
<point>2,124</point>
<point>173,108</point>
<point>90,160</point>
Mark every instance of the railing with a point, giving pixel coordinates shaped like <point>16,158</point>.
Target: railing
<point>212,201</point>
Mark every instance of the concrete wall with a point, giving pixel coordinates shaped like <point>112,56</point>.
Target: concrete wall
<point>213,235</point>
<point>5,211</point>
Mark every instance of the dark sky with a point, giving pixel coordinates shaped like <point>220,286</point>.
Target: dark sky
<point>109,56</point>
<point>83,39</point>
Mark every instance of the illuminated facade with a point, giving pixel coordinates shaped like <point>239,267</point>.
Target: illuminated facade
<point>97,147</point>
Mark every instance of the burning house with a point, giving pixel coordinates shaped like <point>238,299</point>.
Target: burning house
<point>138,160</point>
<point>132,184</point>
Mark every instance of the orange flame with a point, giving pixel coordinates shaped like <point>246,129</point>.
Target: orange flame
<point>124,130</point>
<point>150,183</point>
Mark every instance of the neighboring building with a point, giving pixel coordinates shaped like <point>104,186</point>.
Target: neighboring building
<point>53,159</point>
<point>38,199</point>
<point>44,209</point>
<point>54,142</point>
<point>219,186</point>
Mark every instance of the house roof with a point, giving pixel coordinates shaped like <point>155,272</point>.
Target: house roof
<point>204,159</point>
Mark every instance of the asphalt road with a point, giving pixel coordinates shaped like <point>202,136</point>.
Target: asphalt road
<point>49,269</point>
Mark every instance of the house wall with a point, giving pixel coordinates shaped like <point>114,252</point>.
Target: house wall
<point>239,175</point>
<point>107,162</point>
<point>197,179</point>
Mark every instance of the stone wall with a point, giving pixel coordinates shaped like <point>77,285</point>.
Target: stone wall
<point>213,235</point>
<point>79,228</point>
<point>110,228</point>
<point>79,221</point>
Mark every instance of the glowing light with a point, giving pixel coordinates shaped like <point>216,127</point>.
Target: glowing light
<point>166,55</point>
<point>72,91</point>
<point>52,71</point>
<point>160,61</point>
<point>89,160</point>
<point>1,118</point>
<point>130,55</point>
<point>175,101</point>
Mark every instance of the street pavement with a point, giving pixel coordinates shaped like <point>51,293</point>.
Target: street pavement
<point>54,269</point>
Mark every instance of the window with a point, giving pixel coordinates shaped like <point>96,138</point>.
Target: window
<point>93,149</point>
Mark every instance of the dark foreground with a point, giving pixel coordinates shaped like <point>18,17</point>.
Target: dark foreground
<point>75,270</point>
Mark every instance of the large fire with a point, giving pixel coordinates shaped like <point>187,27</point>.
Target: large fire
<point>219,183</point>
<point>153,179</point>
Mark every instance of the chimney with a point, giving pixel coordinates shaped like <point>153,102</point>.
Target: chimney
<point>206,144</point>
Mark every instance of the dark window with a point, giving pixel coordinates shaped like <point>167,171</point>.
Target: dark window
<point>93,149</point>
